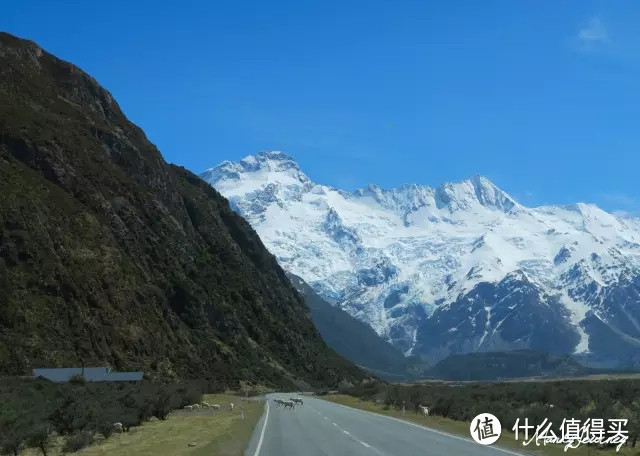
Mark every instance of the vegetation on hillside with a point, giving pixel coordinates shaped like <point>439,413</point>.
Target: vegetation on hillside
<point>503,365</point>
<point>110,256</point>
<point>490,366</point>
<point>33,411</point>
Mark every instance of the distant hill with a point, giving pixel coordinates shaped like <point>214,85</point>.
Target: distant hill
<point>111,256</point>
<point>356,340</point>
<point>505,365</point>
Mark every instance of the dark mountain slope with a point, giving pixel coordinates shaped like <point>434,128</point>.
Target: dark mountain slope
<point>356,340</point>
<point>110,255</point>
<point>503,365</point>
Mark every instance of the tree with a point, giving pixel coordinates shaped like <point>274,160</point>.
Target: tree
<point>163,403</point>
<point>40,438</point>
<point>12,440</point>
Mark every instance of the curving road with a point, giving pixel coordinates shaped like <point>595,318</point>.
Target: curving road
<point>321,428</point>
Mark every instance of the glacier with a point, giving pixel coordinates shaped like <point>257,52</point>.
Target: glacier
<point>459,268</point>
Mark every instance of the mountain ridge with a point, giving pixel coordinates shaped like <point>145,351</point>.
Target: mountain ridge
<point>399,258</point>
<point>111,256</point>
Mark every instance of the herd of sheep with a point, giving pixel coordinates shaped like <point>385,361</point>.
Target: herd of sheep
<point>118,427</point>
<point>286,404</point>
<point>206,405</point>
<point>290,404</point>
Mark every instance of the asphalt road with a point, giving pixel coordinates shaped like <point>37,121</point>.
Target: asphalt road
<point>321,428</point>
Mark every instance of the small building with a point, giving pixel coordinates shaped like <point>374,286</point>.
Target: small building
<point>90,374</point>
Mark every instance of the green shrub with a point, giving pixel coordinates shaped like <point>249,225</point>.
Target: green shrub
<point>40,438</point>
<point>77,442</point>
<point>77,380</point>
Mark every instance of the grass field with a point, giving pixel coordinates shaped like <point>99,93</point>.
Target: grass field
<point>214,433</point>
<point>591,377</point>
<point>507,438</point>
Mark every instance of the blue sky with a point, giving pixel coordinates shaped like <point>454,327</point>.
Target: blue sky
<point>541,97</point>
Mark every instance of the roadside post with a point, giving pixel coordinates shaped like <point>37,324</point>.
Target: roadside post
<point>402,408</point>
<point>242,411</point>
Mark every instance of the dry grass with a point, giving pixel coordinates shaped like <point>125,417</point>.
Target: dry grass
<point>507,438</point>
<point>221,433</point>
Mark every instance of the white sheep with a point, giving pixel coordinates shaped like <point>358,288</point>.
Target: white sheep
<point>215,407</point>
<point>290,404</point>
<point>296,400</point>
<point>231,406</point>
<point>424,409</point>
<point>118,427</point>
<point>189,408</point>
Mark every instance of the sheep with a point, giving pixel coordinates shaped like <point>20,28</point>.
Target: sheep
<point>296,400</point>
<point>231,406</point>
<point>215,407</point>
<point>118,427</point>
<point>189,408</point>
<point>424,409</point>
<point>195,406</point>
<point>278,402</point>
<point>205,405</point>
<point>290,404</point>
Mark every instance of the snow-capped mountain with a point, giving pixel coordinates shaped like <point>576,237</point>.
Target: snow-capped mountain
<point>458,268</point>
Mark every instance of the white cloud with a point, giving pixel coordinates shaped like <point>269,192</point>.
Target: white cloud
<point>623,214</point>
<point>592,36</point>
<point>621,205</point>
<point>593,32</point>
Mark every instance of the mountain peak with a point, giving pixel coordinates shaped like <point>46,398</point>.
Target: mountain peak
<point>477,188</point>
<point>264,169</point>
<point>456,267</point>
<point>275,155</point>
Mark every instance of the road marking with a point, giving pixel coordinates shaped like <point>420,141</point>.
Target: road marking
<point>264,426</point>
<point>375,450</point>
<point>426,428</point>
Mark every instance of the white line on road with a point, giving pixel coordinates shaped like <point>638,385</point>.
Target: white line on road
<point>425,428</point>
<point>345,432</point>
<point>366,445</point>
<point>264,426</point>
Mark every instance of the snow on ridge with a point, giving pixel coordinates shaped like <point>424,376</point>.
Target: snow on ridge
<point>443,241</point>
